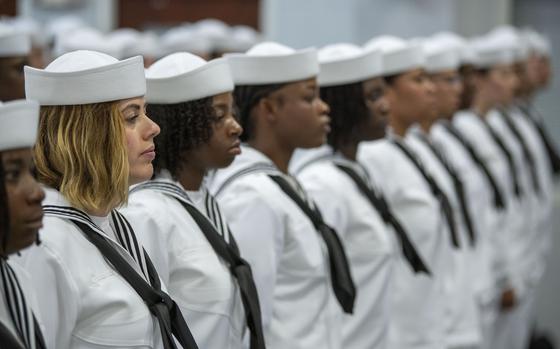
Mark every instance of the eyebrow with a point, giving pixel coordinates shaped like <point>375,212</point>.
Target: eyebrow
<point>14,162</point>
<point>131,106</point>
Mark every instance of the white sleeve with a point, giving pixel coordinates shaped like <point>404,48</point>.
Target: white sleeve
<point>259,232</point>
<point>147,220</point>
<point>57,295</point>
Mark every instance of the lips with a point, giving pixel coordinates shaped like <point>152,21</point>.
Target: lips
<point>151,149</point>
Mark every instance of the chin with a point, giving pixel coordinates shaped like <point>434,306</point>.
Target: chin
<point>140,175</point>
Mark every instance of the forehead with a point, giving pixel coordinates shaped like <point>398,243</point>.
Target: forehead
<point>15,154</point>
<point>222,98</point>
<point>137,102</point>
<point>10,61</point>
<point>299,86</point>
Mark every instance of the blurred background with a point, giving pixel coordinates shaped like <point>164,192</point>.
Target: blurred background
<point>303,23</point>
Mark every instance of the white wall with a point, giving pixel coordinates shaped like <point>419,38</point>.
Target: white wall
<point>302,23</point>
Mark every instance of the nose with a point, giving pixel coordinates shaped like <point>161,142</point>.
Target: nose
<point>382,108</point>
<point>153,129</point>
<point>429,86</point>
<point>324,108</point>
<point>235,130</point>
<point>35,194</point>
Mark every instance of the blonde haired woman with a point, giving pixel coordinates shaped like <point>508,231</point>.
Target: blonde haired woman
<point>98,286</point>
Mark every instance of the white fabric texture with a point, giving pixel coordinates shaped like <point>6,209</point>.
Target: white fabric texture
<point>287,255</point>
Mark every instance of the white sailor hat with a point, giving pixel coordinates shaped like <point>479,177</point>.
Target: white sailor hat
<point>84,77</point>
<point>241,38</point>
<point>215,31</point>
<point>441,55</point>
<point>398,55</point>
<point>18,124</point>
<point>273,63</point>
<point>466,54</point>
<point>510,39</point>
<point>185,39</point>
<point>343,63</point>
<point>88,39</point>
<point>491,51</point>
<point>13,43</point>
<point>183,77</point>
<point>30,27</point>
<point>146,44</point>
<point>537,42</point>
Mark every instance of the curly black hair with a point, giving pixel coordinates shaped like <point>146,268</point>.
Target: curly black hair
<point>246,97</point>
<point>4,211</point>
<point>348,112</point>
<point>184,126</point>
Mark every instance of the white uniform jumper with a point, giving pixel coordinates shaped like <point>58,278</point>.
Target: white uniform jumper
<point>20,327</point>
<point>482,204</point>
<point>88,303</point>
<point>369,244</point>
<point>510,227</point>
<point>546,198</point>
<point>287,254</point>
<point>419,301</point>
<point>196,277</point>
<point>462,317</point>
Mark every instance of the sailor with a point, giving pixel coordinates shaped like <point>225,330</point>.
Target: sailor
<point>15,47</point>
<point>98,286</point>
<point>300,266</point>
<point>418,201</point>
<point>194,252</point>
<point>351,83</point>
<point>463,329</point>
<point>482,194</point>
<point>21,218</point>
<point>494,85</point>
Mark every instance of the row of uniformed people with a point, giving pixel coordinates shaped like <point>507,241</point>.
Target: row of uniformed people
<point>404,196</point>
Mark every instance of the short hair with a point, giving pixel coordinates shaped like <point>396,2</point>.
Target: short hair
<point>4,208</point>
<point>184,126</point>
<point>348,111</point>
<point>246,97</point>
<point>81,151</point>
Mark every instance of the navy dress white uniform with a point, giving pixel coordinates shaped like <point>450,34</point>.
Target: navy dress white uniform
<point>463,328</point>
<point>197,277</point>
<point>516,231</point>
<point>20,321</point>
<point>464,319</point>
<point>411,198</point>
<point>270,216</point>
<point>369,243</point>
<point>90,305</point>
<point>288,256</point>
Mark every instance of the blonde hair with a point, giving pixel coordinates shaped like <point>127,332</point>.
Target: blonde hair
<point>81,151</point>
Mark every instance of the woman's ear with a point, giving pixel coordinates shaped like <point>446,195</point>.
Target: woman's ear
<point>268,108</point>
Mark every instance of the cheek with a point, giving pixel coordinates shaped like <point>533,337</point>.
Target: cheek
<point>131,142</point>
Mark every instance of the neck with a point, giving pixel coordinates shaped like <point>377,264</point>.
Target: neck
<point>399,128</point>
<point>426,125</point>
<point>349,150</point>
<point>481,107</point>
<point>191,176</point>
<point>99,213</point>
<point>278,153</point>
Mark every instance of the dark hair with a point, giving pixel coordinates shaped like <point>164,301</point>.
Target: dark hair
<point>348,112</point>
<point>246,97</point>
<point>4,211</point>
<point>390,79</point>
<point>184,126</point>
